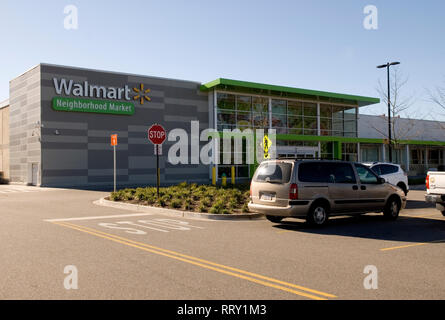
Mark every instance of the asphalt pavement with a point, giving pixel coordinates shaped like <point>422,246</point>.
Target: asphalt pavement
<point>121,254</point>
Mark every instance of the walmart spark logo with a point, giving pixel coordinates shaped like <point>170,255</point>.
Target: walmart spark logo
<point>141,94</point>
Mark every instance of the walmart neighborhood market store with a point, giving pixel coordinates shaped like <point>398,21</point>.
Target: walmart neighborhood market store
<point>45,143</point>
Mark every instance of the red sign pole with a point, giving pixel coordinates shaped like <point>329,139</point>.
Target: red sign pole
<point>158,171</point>
<point>114,143</point>
<point>157,136</point>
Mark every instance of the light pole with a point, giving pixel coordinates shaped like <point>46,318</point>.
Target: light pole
<point>387,65</point>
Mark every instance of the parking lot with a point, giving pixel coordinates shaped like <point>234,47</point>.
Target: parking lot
<point>121,254</point>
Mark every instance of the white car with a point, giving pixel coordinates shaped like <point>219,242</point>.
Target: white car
<point>392,173</point>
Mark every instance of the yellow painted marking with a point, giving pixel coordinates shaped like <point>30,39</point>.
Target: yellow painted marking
<point>411,245</point>
<point>136,89</point>
<point>148,99</point>
<point>202,263</point>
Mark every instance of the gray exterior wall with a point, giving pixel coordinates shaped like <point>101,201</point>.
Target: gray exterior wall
<point>24,119</point>
<point>4,139</point>
<point>370,126</point>
<point>81,155</point>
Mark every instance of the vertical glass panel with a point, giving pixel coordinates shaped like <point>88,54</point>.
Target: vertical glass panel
<point>260,104</point>
<point>326,150</point>
<point>294,108</point>
<point>337,121</point>
<point>243,103</point>
<point>325,111</point>
<point>310,126</point>
<point>310,109</point>
<point>226,119</point>
<point>243,119</point>
<point>279,121</point>
<point>260,112</point>
<point>260,120</point>
<point>295,124</point>
<point>325,126</point>
<point>225,101</point>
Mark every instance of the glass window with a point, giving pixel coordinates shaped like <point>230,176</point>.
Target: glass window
<point>243,119</point>
<point>243,103</point>
<point>343,173</point>
<point>325,111</point>
<point>278,106</point>
<point>388,169</point>
<point>310,126</point>
<point>295,125</point>
<point>226,117</point>
<point>294,108</point>
<point>279,121</point>
<point>326,150</point>
<point>337,121</point>
<point>325,126</point>
<point>225,101</point>
<point>314,172</point>
<point>310,109</point>
<point>366,175</point>
<point>377,169</point>
<point>273,172</point>
<point>227,170</point>
<point>242,171</point>
<point>260,104</point>
<point>261,120</point>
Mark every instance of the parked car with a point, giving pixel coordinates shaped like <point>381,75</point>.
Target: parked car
<point>316,189</point>
<point>393,173</point>
<point>435,189</point>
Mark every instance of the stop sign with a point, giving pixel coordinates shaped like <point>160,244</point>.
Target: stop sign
<point>156,134</point>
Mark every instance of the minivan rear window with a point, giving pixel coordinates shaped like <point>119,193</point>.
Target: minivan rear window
<point>273,172</point>
<point>326,172</point>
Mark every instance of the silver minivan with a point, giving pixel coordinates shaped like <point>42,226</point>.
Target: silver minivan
<point>316,189</point>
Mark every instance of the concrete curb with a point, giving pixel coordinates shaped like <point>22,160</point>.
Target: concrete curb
<point>176,213</point>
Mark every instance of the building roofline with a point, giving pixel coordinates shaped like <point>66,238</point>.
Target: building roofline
<point>4,103</point>
<point>115,72</point>
<point>401,118</point>
<point>222,83</point>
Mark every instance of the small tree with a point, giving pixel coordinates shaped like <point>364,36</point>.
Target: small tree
<point>400,107</point>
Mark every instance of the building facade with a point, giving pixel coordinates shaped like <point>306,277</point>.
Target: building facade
<point>57,124</point>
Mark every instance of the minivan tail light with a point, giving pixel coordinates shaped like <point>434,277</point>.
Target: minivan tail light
<point>427,181</point>
<point>293,191</point>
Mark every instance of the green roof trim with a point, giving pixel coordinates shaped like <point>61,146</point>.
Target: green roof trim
<point>283,91</point>
<point>292,137</point>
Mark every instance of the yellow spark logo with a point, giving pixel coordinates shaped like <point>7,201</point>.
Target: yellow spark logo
<point>141,94</point>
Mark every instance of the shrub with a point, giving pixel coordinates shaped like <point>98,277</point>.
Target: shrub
<point>202,198</point>
<point>176,203</point>
<point>114,196</point>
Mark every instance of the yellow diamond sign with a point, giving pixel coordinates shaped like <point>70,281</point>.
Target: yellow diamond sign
<point>267,143</point>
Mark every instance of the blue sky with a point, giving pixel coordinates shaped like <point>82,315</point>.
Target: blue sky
<point>313,44</point>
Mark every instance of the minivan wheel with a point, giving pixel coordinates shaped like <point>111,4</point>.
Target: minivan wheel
<point>392,209</point>
<point>274,219</point>
<point>318,214</point>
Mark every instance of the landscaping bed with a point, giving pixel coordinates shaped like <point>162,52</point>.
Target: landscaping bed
<point>189,197</point>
